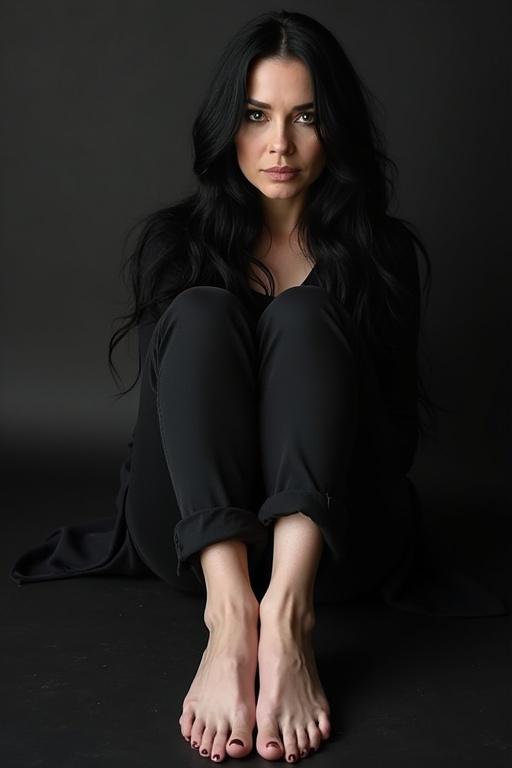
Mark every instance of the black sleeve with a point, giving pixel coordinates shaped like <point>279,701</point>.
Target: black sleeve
<point>400,366</point>
<point>168,287</point>
<point>152,250</point>
<point>145,330</point>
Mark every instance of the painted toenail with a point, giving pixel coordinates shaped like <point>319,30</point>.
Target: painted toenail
<point>304,753</point>
<point>236,741</point>
<point>291,757</point>
<point>204,751</point>
<point>195,744</point>
<point>273,744</point>
<point>216,757</point>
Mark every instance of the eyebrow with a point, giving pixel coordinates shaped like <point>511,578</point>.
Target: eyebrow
<point>268,106</point>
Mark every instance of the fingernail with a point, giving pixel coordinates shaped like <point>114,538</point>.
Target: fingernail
<point>273,744</point>
<point>236,741</point>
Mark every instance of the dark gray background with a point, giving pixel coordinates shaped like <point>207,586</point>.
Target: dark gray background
<point>98,100</point>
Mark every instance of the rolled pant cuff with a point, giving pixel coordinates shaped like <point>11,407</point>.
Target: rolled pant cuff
<point>209,526</point>
<point>329,513</point>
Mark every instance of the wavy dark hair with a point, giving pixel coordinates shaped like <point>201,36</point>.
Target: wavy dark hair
<point>208,238</point>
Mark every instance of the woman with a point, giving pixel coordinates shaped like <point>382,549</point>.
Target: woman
<point>268,466</point>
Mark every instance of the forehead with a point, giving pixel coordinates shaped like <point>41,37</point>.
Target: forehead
<point>279,81</point>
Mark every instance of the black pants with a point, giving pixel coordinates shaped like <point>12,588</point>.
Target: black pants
<point>242,421</point>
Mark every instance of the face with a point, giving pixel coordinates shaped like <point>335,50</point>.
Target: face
<point>278,129</point>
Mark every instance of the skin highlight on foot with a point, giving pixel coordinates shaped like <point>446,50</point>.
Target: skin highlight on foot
<point>292,712</point>
<point>219,709</point>
<point>218,715</point>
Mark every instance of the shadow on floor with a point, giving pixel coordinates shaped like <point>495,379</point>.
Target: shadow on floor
<point>96,668</point>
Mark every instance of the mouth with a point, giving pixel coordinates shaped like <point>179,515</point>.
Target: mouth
<point>281,175</point>
<point>281,169</point>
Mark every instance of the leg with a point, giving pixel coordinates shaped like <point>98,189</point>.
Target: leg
<point>196,412</point>
<point>203,364</point>
<point>199,393</point>
<point>308,426</point>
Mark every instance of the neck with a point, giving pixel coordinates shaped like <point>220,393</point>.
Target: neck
<point>281,216</point>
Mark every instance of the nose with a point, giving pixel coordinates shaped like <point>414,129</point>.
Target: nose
<point>280,140</point>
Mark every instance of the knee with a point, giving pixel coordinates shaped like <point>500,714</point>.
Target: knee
<point>299,301</point>
<point>305,309</point>
<point>206,305</point>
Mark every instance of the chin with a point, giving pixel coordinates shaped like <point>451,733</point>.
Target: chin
<point>278,195</point>
<point>280,189</point>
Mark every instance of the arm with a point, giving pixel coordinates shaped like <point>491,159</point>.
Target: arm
<point>145,330</point>
<point>400,366</point>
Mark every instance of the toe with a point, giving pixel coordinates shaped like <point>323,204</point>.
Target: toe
<point>239,743</point>
<point>303,742</point>
<point>268,742</point>
<point>324,724</point>
<point>291,749</point>
<point>197,733</point>
<point>315,735</point>
<point>186,722</point>
<point>218,752</point>
<point>205,746</point>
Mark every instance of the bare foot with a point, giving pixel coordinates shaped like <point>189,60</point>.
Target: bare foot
<point>292,713</point>
<point>220,704</point>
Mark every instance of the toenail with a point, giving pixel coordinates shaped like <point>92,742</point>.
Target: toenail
<point>195,744</point>
<point>236,741</point>
<point>273,744</point>
<point>204,751</point>
<point>304,753</point>
<point>216,757</point>
<point>291,757</point>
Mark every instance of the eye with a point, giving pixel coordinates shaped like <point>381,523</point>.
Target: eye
<point>251,112</point>
<point>309,114</point>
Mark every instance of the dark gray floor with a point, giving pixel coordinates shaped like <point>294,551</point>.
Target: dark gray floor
<point>95,669</point>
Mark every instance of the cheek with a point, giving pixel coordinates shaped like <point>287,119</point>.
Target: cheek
<point>246,145</point>
<point>317,155</point>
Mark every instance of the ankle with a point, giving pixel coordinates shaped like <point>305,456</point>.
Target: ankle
<point>240,609</point>
<point>287,607</point>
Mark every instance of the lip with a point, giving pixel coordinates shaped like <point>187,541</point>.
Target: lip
<point>281,169</point>
<point>282,174</point>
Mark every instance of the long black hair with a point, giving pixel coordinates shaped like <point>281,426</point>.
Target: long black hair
<point>208,238</point>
